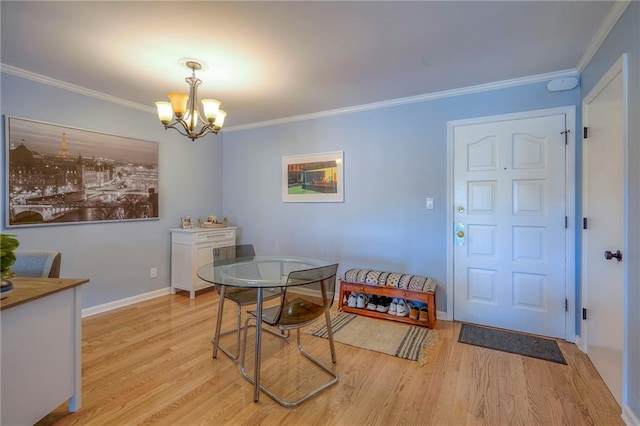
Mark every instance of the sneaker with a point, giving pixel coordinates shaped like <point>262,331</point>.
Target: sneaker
<point>413,311</point>
<point>351,302</point>
<point>393,306</point>
<point>361,301</point>
<point>383,304</point>
<point>373,302</point>
<point>424,314</point>
<point>402,309</point>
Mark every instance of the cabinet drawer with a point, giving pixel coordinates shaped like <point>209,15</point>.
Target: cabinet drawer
<point>218,236</point>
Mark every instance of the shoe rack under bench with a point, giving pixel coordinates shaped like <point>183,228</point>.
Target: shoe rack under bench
<point>419,296</point>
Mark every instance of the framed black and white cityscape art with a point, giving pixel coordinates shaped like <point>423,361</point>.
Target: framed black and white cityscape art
<point>313,178</point>
<point>59,175</point>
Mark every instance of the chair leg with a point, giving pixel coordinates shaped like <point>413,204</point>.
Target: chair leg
<point>272,394</point>
<point>238,330</point>
<point>327,318</point>
<point>243,351</point>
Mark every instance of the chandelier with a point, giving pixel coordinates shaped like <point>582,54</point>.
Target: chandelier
<point>189,119</point>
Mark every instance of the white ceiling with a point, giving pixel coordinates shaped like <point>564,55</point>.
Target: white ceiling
<point>272,60</point>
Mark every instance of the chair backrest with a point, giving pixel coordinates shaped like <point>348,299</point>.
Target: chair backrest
<point>308,294</point>
<point>223,255</point>
<point>37,263</point>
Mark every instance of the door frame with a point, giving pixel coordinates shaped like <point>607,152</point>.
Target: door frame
<point>570,204</point>
<point>619,67</point>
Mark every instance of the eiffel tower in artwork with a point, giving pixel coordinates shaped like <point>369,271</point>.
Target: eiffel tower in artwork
<point>63,153</point>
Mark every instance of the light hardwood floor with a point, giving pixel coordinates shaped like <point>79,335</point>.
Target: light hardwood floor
<point>151,363</point>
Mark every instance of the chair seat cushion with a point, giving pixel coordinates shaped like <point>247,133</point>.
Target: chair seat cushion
<point>390,279</point>
<point>298,311</point>
<point>249,296</point>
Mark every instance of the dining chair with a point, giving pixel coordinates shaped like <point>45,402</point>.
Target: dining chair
<point>307,296</point>
<point>240,296</point>
<point>37,263</point>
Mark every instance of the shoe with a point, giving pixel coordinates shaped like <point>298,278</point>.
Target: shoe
<point>361,301</point>
<point>393,306</point>
<point>351,302</point>
<point>424,314</point>
<point>402,309</point>
<point>373,302</point>
<point>383,304</point>
<point>413,311</point>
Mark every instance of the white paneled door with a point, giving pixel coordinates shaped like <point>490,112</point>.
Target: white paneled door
<point>509,224</point>
<point>603,253</point>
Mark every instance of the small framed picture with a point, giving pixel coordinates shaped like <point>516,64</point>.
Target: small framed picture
<point>186,222</point>
<point>313,178</point>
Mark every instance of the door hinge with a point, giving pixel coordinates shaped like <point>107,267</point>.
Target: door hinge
<point>584,223</point>
<point>584,313</point>
<point>566,305</point>
<point>585,133</point>
<point>566,222</point>
<point>566,138</point>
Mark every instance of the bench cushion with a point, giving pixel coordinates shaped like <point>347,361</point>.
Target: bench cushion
<point>390,279</point>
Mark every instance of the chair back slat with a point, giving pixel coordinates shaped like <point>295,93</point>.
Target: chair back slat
<point>309,292</point>
<point>225,255</point>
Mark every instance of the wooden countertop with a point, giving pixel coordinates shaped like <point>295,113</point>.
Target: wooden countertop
<point>28,289</point>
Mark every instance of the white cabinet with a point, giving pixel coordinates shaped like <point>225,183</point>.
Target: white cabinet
<point>191,249</point>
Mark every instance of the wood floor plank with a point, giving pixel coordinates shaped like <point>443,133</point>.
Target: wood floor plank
<point>150,363</point>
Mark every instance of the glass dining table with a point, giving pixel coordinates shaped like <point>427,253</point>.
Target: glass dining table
<point>259,272</point>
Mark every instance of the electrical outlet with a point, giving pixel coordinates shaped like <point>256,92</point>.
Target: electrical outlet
<point>153,272</point>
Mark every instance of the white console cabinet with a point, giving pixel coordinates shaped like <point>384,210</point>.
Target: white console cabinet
<point>191,249</point>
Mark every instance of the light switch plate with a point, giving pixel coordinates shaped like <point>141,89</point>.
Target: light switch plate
<point>429,204</point>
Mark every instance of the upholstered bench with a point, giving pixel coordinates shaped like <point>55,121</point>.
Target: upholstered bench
<point>409,287</point>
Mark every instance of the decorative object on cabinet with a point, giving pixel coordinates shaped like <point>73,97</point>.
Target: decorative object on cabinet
<point>189,119</point>
<point>413,290</point>
<point>212,223</point>
<point>186,222</point>
<point>192,248</point>
<point>63,175</point>
<point>313,178</point>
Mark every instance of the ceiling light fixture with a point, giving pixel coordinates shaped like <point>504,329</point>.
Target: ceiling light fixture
<point>185,109</point>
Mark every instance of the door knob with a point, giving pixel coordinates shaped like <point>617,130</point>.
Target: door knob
<point>458,234</point>
<point>617,255</point>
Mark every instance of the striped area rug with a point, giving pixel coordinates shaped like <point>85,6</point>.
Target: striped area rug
<point>387,337</point>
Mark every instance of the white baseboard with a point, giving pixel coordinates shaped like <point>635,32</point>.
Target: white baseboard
<point>441,316</point>
<point>629,417</point>
<point>94,310</point>
<point>580,343</point>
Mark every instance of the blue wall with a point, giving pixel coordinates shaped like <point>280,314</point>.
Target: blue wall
<point>625,38</point>
<point>394,158</point>
<point>117,256</point>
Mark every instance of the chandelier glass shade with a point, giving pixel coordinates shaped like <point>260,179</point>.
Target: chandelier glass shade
<point>183,113</point>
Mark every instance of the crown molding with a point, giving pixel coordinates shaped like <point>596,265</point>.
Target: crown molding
<point>358,108</point>
<point>607,25</point>
<point>39,78</point>
<point>413,99</point>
